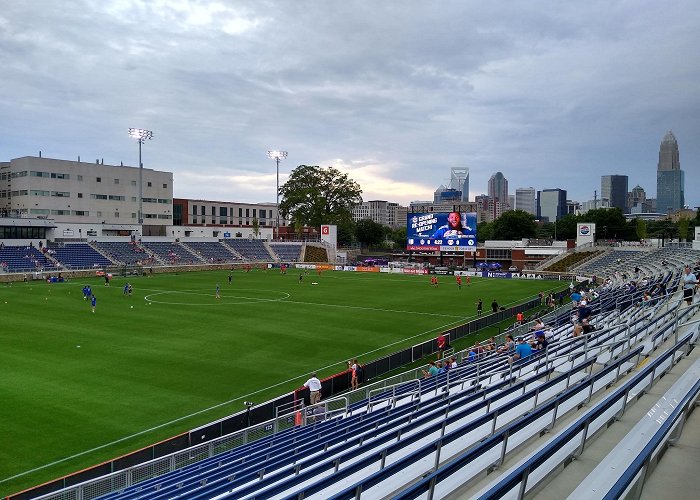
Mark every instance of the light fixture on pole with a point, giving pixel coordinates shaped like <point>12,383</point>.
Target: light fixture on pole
<point>141,135</point>
<point>277,156</point>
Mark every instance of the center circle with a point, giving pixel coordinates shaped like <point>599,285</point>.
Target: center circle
<point>207,298</point>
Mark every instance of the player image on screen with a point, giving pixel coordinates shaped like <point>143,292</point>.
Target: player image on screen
<point>453,229</point>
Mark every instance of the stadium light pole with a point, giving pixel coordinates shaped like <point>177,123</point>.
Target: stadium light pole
<point>277,156</point>
<point>141,135</point>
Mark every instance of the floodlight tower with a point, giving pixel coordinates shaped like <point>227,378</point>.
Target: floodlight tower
<point>141,135</point>
<point>277,156</point>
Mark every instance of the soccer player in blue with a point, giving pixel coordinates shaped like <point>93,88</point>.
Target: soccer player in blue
<point>85,293</point>
<point>94,303</point>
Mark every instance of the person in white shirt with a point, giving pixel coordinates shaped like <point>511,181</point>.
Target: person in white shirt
<point>314,385</point>
<point>689,282</point>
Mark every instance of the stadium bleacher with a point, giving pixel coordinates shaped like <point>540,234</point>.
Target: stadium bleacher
<point>213,252</point>
<point>24,259</point>
<point>251,250</point>
<point>171,253</point>
<point>80,256</point>
<point>287,252</point>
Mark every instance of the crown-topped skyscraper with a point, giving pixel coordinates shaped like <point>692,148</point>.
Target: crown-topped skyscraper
<point>670,179</point>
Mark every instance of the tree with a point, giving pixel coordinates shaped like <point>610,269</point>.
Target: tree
<point>369,232</point>
<point>514,225</point>
<point>683,225</point>
<point>255,224</point>
<point>641,229</point>
<point>398,236</point>
<point>484,231</point>
<point>317,196</point>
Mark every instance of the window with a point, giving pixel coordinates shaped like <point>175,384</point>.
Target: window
<point>80,195</point>
<point>116,197</point>
<point>222,211</point>
<point>99,214</point>
<point>194,219</point>
<point>116,181</point>
<point>254,212</point>
<point>133,199</point>
<point>203,211</point>
<point>240,212</point>
<point>164,216</point>
<point>213,211</point>
<point>39,211</point>
<point>98,196</point>
<point>116,215</point>
<point>60,194</point>
<point>133,215</point>
<point>80,178</point>
<point>150,184</point>
<point>263,213</point>
<point>59,176</point>
<point>21,192</point>
<point>60,212</point>
<point>36,192</point>
<point>165,186</point>
<point>150,200</point>
<point>81,213</point>
<point>38,174</point>
<point>133,183</point>
<point>163,200</point>
<point>14,175</point>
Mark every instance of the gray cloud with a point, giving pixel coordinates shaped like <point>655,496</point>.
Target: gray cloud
<point>551,94</point>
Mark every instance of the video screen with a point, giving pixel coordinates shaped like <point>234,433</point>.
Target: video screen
<point>443,231</point>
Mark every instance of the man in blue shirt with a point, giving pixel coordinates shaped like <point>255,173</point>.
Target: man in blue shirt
<point>522,350</point>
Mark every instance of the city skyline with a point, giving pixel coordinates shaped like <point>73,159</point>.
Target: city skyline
<point>393,95</point>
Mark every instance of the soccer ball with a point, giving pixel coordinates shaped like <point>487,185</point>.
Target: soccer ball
<point>132,307</point>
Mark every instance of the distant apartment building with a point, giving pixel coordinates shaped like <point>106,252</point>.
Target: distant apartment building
<point>526,200</point>
<point>382,212</point>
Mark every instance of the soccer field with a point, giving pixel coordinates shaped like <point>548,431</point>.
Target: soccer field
<point>79,387</point>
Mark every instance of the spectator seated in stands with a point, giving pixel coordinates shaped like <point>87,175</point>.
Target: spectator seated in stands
<point>522,351</point>
<point>432,370</point>
<point>508,346</point>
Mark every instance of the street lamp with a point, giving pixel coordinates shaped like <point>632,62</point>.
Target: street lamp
<point>141,135</point>
<point>277,156</point>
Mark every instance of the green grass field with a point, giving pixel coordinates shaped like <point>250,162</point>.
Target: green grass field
<point>79,388</point>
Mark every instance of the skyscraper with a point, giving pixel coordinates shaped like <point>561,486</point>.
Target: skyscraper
<point>498,187</point>
<point>551,204</point>
<point>525,200</point>
<point>614,189</point>
<point>670,179</point>
<point>459,181</point>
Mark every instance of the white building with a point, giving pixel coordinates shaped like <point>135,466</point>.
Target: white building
<point>382,212</point>
<point>86,193</point>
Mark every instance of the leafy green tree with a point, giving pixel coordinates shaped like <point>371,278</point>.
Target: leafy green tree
<point>398,237</point>
<point>566,227</point>
<point>641,229</point>
<point>346,232</point>
<point>683,225</point>
<point>484,231</point>
<point>255,224</point>
<point>514,225</point>
<point>319,196</point>
<point>369,232</point>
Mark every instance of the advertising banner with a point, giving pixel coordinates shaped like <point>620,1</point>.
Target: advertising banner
<point>444,231</point>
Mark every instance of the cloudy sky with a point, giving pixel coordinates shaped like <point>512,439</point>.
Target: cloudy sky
<point>395,93</point>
